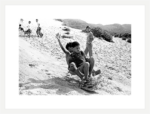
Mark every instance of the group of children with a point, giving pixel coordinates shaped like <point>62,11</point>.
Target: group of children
<point>26,29</point>
<point>77,60</point>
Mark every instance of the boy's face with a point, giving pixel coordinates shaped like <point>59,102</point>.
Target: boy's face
<point>76,49</point>
<point>70,49</point>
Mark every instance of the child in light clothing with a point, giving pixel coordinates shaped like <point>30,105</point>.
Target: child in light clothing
<point>89,46</point>
<point>28,31</point>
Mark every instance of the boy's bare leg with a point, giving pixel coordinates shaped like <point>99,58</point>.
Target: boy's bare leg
<point>85,69</point>
<point>75,71</point>
<point>91,62</point>
<point>86,50</point>
<point>78,73</point>
<point>90,50</point>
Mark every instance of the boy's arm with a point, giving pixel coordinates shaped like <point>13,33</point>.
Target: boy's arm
<point>64,50</point>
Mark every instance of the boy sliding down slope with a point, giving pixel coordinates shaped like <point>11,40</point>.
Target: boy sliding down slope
<point>68,51</point>
<point>77,62</point>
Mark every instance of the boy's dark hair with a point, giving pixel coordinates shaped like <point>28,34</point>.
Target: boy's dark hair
<point>68,45</point>
<point>74,44</point>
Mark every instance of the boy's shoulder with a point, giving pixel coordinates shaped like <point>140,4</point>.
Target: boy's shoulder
<point>68,53</point>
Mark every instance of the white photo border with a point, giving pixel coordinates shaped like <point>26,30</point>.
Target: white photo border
<point>73,2</point>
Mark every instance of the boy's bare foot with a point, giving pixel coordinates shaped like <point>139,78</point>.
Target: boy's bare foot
<point>94,73</point>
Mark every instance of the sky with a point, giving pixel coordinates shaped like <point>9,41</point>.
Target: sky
<point>92,14</point>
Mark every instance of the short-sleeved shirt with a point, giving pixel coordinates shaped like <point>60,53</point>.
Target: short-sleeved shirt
<point>77,58</point>
<point>22,24</point>
<point>29,26</point>
<point>37,24</point>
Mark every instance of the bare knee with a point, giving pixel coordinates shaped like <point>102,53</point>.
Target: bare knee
<point>86,64</point>
<point>90,60</point>
<point>72,64</point>
<point>72,67</point>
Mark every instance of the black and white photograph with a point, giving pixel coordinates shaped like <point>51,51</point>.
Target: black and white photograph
<point>75,50</point>
<point>74,56</point>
